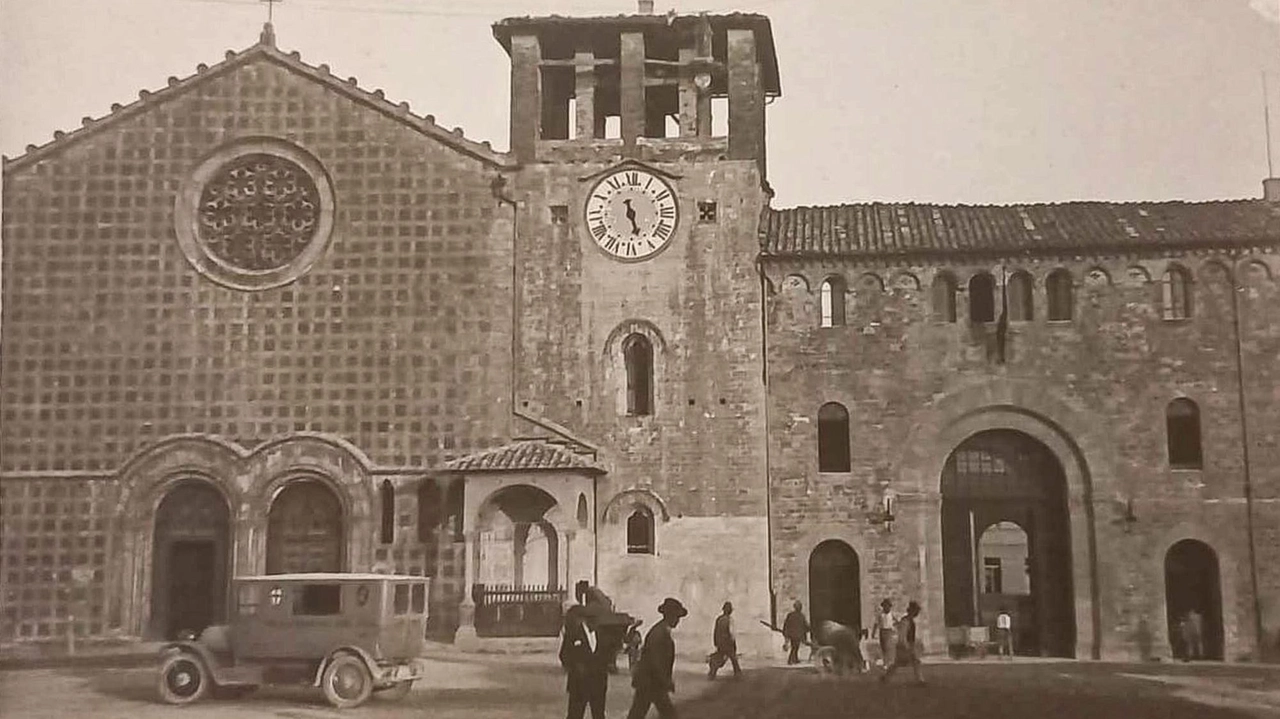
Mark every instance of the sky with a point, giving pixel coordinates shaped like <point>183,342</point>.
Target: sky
<point>947,101</point>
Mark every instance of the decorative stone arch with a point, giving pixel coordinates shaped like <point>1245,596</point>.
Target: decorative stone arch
<point>1096,276</point>
<point>1236,634</point>
<point>615,364</point>
<point>145,480</point>
<point>557,516</point>
<point>1212,271</point>
<point>871,283</point>
<point>833,300</point>
<point>796,282</point>
<point>1255,268</point>
<point>1034,410</point>
<point>904,281</point>
<point>619,506</point>
<point>1137,276</point>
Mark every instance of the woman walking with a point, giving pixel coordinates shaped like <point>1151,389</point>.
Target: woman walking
<point>908,652</point>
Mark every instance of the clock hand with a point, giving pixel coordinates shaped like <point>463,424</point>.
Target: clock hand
<point>631,217</point>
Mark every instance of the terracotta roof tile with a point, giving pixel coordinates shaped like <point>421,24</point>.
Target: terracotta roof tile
<point>266,48</point>
<point>880,229</point>
<point>525,455</point>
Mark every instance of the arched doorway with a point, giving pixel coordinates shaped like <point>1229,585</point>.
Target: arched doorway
<point>835,590</point>
<point>189,563</point>
<point>1192,583</point>
<point>305,529</point>
<point>1008,481</point>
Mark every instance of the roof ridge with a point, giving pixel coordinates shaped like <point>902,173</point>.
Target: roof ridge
<point>265,47</point>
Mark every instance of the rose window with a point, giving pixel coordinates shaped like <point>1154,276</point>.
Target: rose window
<point>258,212</point>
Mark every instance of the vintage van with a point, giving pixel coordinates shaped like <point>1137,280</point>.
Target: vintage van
<point>349,634</point>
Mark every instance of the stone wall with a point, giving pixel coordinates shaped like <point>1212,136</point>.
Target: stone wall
<point>1101,382</point>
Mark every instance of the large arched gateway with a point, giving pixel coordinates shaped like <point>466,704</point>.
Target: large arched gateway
<point>305,529</point>
<point>1006,541</point>
<point>189,565</point>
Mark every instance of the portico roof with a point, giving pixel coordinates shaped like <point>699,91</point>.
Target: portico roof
<point>527,455</point>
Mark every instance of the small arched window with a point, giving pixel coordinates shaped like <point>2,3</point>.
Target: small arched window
<point>982,298</point>
<point>833,438</point>
<point>1176,289</point>
<point>637,354</point>
<point>584,515</point>
<point>1061,295</point>
<point>429,506</point>
<point>387,493</point>
<point>1182,422</point>
<point>640,532</point>
<point>1021,305</point>
<point>831,298</point>
<point>944,297</point>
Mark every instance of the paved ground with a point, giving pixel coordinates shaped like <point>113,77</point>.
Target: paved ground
<point>472,687</point>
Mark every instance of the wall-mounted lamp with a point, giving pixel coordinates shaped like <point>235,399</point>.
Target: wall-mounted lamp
<point>1130,518</point>
<point>702,81</point>
<point>884,515</point>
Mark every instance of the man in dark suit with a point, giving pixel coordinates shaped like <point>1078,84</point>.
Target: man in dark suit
<point>652,680</point>
<point>586,662</point>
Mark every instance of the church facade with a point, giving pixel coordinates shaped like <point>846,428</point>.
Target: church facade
<point>264,320</point>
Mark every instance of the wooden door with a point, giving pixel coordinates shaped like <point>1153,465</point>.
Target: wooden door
<point>305,530</point>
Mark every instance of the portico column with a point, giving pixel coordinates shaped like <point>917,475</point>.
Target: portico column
<point>466,638</point>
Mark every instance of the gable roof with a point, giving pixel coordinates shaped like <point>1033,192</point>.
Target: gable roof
<point>292,61</point>
<point>526,455</point>
<point>905,229</point>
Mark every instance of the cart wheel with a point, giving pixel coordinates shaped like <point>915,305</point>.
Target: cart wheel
<point>347,682</point>
<point>396,691</point>
<point>183,678</point>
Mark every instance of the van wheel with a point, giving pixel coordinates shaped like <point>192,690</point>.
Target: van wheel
<point>347,682</point>
<point>183,678</point>
<point>396,691</point>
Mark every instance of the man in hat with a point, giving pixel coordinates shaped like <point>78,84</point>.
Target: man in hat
<point>886,633</point>
<point>585,660</point>
<point>726,644</point>
<point>795,629</point>
<point>652,680</point>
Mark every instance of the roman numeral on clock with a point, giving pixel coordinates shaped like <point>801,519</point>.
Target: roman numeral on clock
<point>663,229</point>
<point>611,244</point>
<point>598,230</point>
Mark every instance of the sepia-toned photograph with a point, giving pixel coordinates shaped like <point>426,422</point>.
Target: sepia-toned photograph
<point>497,358</point>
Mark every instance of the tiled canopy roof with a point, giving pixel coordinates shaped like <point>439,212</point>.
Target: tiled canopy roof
<point>880,229</point>
<point>525,455</point>
<point>266,48</point>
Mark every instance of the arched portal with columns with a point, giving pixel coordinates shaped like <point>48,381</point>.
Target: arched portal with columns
<point>519,544</point>
<point>305,529</point>
<point>190,568</point>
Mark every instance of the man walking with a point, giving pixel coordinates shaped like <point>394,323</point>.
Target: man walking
<point>886,633</point>
<point>653,681</point>
<point>585,661</point>
<point>907,651</point>
<point>726,643</point>
<point>795,629</point>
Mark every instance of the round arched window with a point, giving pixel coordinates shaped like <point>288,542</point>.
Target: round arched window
<point>255,215</point>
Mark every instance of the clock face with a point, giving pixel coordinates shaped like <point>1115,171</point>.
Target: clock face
<point>632,214</point>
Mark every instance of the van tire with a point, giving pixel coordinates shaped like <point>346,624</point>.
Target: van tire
<point>346,681</point>
<point>183,678</point>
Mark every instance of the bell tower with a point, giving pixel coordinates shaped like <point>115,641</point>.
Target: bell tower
<point>639,84</point>
<point>640,142</point>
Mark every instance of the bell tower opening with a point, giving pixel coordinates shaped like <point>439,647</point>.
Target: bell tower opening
<point>639,80</point>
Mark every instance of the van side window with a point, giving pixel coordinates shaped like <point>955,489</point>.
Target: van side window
<point>318,600</point>
<point>419,598</point>
<point>402,599</point>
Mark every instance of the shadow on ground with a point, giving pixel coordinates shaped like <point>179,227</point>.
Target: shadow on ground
<point>1042,692</point>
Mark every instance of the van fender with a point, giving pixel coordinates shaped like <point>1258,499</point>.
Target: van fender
<point>365,657</point>
<point>206,657</point>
